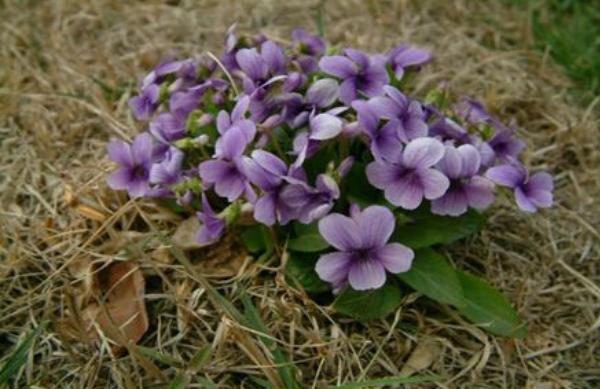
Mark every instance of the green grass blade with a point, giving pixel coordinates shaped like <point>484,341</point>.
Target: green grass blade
<point>19,356</point>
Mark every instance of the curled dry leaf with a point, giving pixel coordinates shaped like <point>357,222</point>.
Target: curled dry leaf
<point>185,235</point>
<point>119,312</point>
<point>421,358</point>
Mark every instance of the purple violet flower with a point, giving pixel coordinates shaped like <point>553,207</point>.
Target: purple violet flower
<point>144,104</point>
<point>531,193</point>
<point>307,43</point>
<point>297,108</point>
<point>406,56</point>
<point>467,189</point>
<point>364,253</point>
<point>135,161</point>
<point>411,178</point>
<point>312,203</point>
<point>212,227</point>
<point>167,128</point>
<point>358,72</point>
<point>168,171</point>
<point>269,173</point>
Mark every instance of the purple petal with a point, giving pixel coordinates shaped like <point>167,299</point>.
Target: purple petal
<point>471,160</point>
<point>405,193</point>
<point>240,109</point>
<point>334,267</point>
<point>411,56</point>
<point>142,148</point>
<point>366,274</point>
<point>119,179</point>
<point>231,144</point>
<point>506,175</point>
<point>480,192</point>
<point>385,107</point>
<point>138,186</point>
<point>223,122</point>
<point>252,63</point>
<point>376,225</point>
<point>453,203</point>
<point>231,186</point>
<point>270,162</point>
<point>451,164</point>
<point>120,152</point>
<point>338,66</point>
<point>434,183</point>
<point>523,201</point>
<point>323,93</point>
<point>259,176</point>
<point>348,91</point>
<point>381,175</point>
<point>423,152</point>
<point>325,126</point>
<point>273,56</point>
<point>360,58</point>
<point>340,231</point>
<point>213,170</point>
<point>265,209</point>
<point>395,257</point>
<point>540,181</point>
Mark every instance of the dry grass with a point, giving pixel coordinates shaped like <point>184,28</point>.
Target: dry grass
<point>56,211</point>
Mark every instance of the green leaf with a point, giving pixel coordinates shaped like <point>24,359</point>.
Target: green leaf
<point>257,239</point>
<point>300,269</point>
<point>157,355</point>
<point>308,239</point>
<point>433,276</point>
<point>358,189</point>
<point>369,304</point>
<point>387,382</point>
<point>488,308</point>
<point>19,356</point>
<point>427,229</point>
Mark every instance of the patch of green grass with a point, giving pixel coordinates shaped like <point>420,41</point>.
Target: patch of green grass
<point>570,31</point>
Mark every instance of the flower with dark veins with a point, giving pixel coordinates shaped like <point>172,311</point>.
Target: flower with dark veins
<point>364,254</point>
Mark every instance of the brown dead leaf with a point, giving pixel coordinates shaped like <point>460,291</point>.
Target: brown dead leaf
<point>119,312</point>
<point>185,235</point>
<point>421,358</point>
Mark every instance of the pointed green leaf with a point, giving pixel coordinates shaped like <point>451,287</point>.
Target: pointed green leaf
<point>427,229</point>
<point>257,239</point>
<point>368,304</point>
<point>488,308</point>
<point>433,276</point>
<point>307,239</point>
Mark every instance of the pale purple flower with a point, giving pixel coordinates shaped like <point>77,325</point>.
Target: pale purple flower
<point>531,193</point>
<point>226,172</point>
<point>505,144</point>
<point>307,43</point>
<point>168,171</point>
<point>311,203</point>
<point>269,173</point>
<point>257,66</point>
<point>467,188</point>
<point>359,74</point>
<point>134,162</point>
<point>167,127</point>
<point>364,253</point>
<point>407,115</point>
<point>406,56</point>
<point>384,141</point>
<point>213,227</point>
<point>297,108</point>
<point>144,104</point>
<point>410,179</point>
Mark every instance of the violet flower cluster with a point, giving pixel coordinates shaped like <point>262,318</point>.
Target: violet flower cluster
<point>276,128</point>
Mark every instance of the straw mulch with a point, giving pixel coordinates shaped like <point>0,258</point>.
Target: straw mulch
<point>67,69</point>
